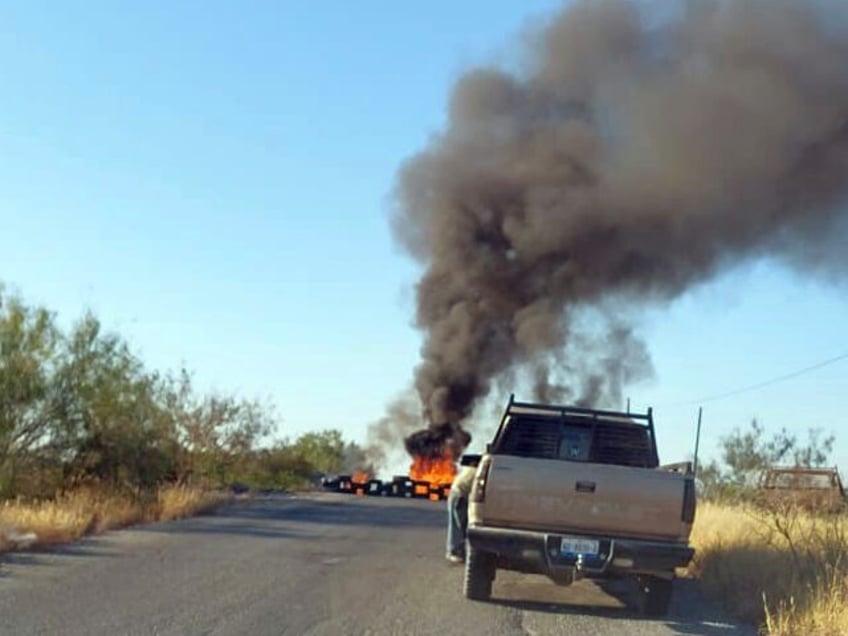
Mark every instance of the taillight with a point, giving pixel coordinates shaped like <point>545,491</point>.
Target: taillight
<point>688,513</point>
<point>478,489</point>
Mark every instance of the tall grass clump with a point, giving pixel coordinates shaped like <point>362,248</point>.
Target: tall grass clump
<point>90,510</point>
<point>780,567</point>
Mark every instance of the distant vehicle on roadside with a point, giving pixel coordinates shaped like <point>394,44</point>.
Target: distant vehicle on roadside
<point>571,493</point>
<point>812,489</point>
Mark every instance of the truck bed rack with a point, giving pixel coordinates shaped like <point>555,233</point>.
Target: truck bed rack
<point>644,420</point>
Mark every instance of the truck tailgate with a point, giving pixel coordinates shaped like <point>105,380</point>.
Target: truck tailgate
<point>564,496</point>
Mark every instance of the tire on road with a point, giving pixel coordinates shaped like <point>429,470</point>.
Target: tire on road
<point>654,596</point>
<point>479,574</point>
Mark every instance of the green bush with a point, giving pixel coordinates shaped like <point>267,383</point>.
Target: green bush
<point>78,406</point>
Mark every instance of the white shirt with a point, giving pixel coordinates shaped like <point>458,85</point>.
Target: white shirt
<point>463,480</point>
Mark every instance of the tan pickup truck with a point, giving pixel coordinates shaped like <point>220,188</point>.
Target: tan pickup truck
<point>572,493</point>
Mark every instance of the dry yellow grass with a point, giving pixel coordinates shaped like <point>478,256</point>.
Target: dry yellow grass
<point>783,569</point>
<point>74,514</point>
<point>176,502</point>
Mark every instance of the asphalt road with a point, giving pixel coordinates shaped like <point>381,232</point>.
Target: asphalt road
<point>310,564</point>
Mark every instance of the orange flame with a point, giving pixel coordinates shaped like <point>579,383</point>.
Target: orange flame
<point>360,477</point>
<point>438,471</point>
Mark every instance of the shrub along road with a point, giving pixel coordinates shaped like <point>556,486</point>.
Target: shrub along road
<point>307,564</point>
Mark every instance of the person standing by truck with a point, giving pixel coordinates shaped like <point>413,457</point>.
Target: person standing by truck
<point>458,509</point>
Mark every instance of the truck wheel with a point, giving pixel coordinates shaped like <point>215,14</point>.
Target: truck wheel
<point>654,596</point>
<point>479,574</point>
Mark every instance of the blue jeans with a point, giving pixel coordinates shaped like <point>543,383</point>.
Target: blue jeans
<point>457,522</point>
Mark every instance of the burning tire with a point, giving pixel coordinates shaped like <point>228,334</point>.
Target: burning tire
<point>421,490</point>
<point>479,574</point>
<point>345,484</point>
<point>400,486</point>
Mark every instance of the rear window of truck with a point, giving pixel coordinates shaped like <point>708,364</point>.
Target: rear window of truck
<point>574,439</point>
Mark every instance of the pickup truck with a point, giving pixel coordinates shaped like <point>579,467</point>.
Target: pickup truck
<point>813,489</point>
<point>573,492</point>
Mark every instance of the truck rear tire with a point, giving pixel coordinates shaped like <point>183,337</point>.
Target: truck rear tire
<point>479,574</point>
<point>654,596</point>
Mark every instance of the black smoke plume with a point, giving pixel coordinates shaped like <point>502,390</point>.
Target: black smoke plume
<point>437,440</point>
<point>631,154</point>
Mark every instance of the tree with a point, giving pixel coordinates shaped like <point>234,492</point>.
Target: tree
<point>278,467</point>
<point>80,406</point>
<point>28,342</point>
<point>816,452</point>
<point>745,454</point>
<point>216,433</point>
<point>112,427</point>
<point>325,451</point>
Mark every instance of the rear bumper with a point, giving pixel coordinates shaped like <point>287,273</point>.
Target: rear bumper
<point>532,551</point>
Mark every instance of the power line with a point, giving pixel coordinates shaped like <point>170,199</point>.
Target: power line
<point>761,385</point>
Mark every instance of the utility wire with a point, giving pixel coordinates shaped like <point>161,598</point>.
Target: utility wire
<point>761,385</point>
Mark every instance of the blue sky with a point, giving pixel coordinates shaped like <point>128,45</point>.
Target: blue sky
<point>213,178</point>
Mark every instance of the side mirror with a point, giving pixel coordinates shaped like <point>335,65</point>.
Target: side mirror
<point>489,447</point>
<point>469,460</point>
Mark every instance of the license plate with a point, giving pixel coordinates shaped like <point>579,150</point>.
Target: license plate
<point>577,545</point>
